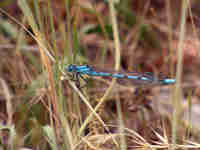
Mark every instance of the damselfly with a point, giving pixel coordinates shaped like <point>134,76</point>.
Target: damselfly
<point>78,71</point>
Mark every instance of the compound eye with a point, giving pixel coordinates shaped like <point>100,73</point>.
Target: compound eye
<point>70,68</point>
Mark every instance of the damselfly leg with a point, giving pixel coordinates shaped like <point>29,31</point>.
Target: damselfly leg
<point>78,76</point>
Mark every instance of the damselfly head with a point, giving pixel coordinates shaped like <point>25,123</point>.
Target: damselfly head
<point>71,68</point>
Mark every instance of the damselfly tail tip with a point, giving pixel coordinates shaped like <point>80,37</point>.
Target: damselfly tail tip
<point>168,81</point>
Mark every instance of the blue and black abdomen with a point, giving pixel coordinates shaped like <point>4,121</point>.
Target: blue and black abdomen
<point>139,78</point>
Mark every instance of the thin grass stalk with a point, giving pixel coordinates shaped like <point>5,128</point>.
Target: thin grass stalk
<point>8,96</point>
<point>189,119</point>
<point>117,64</point>
<point>52,29</point>
<point>38,16</point>
<point>69,34</point>
<point>177,94</point>
<point>121,124</point>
